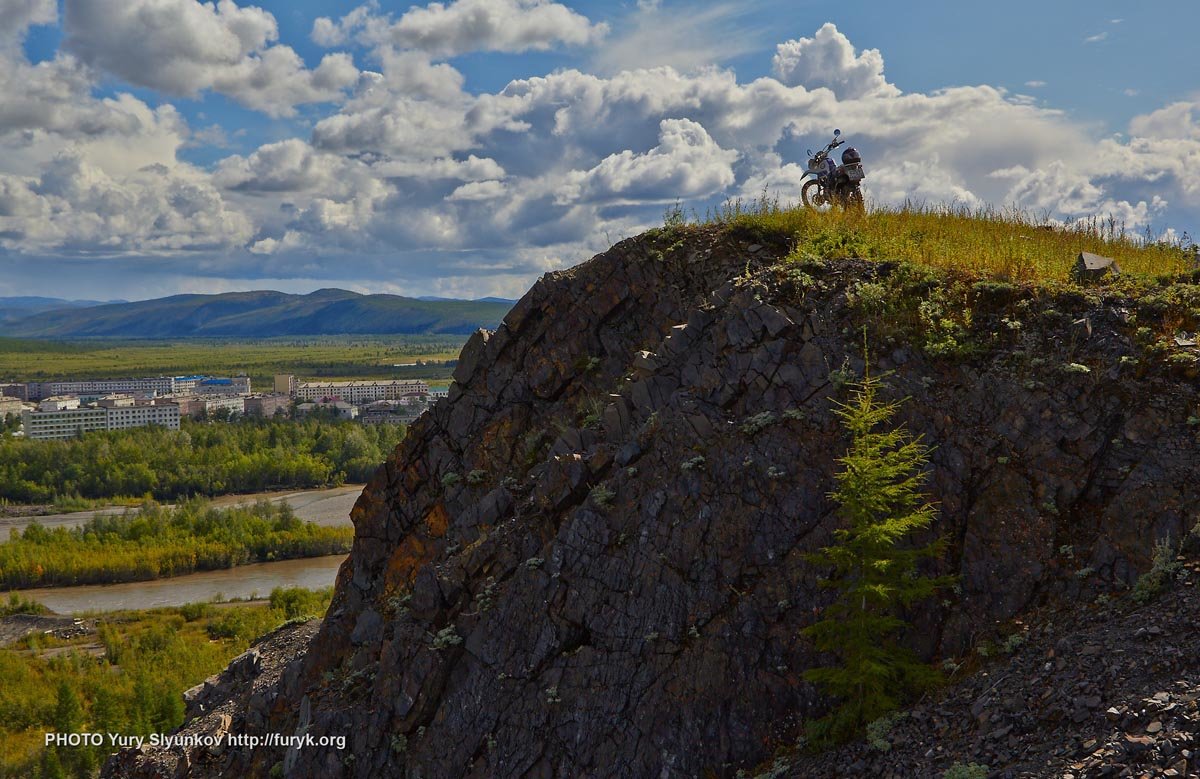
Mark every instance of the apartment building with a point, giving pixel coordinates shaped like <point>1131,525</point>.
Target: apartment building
<point>148,387</point>
<point>18,391</point>
<point>10,407</point>
<point>341,408</point>
<point>65,418</point>
<point>238,385</point>
<point>202,405</point>
<point>267,405</point>
<point>94,388</point>
<point>360,392</point>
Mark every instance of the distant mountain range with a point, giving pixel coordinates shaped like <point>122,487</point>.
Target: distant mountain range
<point>249,314</point>
<point>12,309</point>
<point>508,301</point>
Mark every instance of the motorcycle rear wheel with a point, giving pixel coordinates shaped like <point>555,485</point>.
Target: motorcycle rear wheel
<point>810,193</point>
<point>855,200</point>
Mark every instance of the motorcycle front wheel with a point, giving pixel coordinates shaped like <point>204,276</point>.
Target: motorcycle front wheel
<point>810,193</point>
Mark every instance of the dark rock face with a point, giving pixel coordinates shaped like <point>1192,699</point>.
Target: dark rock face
<point>589,560</point>
<point>1091,694</point>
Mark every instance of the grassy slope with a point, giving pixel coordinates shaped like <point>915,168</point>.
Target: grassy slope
<point>1005,246</point>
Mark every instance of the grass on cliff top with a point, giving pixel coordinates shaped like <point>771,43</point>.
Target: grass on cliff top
<point>1009,245</point>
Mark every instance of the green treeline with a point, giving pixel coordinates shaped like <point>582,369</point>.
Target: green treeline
<point>131,682</point>
<point>155,542</point>
<point>247,455</point>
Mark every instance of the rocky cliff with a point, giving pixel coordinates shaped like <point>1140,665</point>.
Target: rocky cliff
<point>589,559</point>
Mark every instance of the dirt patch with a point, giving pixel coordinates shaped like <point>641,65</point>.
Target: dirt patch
<point>15,627</point>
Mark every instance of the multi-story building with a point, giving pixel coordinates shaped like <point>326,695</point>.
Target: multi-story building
<point>148,387</point>
<point>185,385</point>
<point>10,407</point>
<point>59,403</point>
<point>94,388</point>
<point>66,418</point>
<point>63,422</point>
<point>340,408</point>
<point>360,392</point>
<point>203,405</point>
<point>18,391</point>
<point>267,405</point>
<point>285,384</point>
<point>116,401</point>
<point>238,385</point>
<point>389,412</point>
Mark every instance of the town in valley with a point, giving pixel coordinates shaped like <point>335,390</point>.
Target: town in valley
<point>68,408</point>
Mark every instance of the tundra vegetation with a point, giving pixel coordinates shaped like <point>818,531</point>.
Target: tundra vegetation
<point>155,542</point>
<point>1008,245</point>
<point>325,358</point>
<point>246,455</point>
<point>126,678</point>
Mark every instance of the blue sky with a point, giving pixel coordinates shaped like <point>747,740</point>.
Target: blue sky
<point>149,147</point>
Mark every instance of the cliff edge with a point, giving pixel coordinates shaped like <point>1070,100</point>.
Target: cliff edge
<point>589,559</point>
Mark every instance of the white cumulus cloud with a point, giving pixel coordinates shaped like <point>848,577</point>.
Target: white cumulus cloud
<point>828,59</point>
<point>410,176</point>
<point>76,207</point>
<point>462,26</point>
<point>20,15</point>
<point>686,163</point>
<point>183,47</point>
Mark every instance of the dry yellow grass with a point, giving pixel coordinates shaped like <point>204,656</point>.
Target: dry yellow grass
<point>988,243</point>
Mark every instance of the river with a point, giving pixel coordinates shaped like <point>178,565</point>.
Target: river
<point>245,581</point>
<point>324,507</point>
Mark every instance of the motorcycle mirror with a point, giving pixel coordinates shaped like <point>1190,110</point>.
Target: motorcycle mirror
<point>836,133</point>
<point>809,152</point>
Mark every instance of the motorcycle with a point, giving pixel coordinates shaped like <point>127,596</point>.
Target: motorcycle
<point>833,184</point>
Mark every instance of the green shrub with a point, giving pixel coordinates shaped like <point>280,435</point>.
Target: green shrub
<point>1163,568</point>
<point>194,611</point>
<point>20,605</point>
<point>757,423</point>
<point>602,496</point>
<point>296,603</point>
<point>878,731</point>
<point>446,637</point>
<point>966,771</point>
